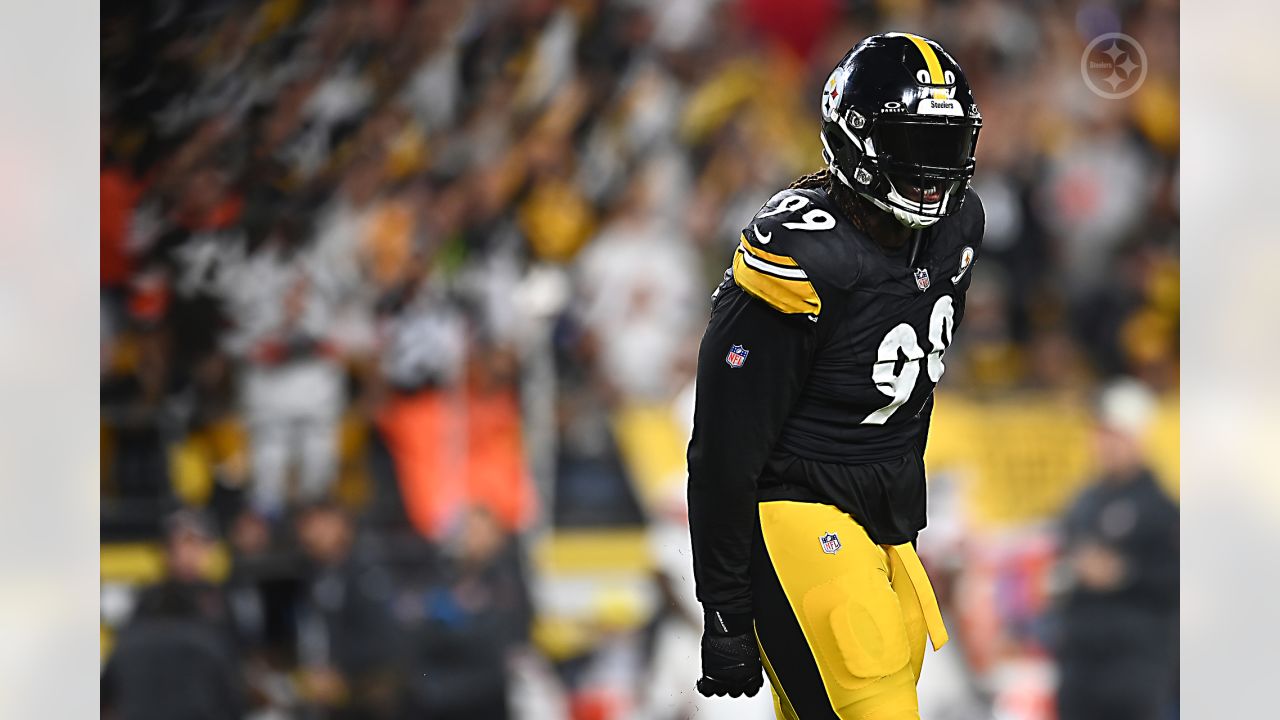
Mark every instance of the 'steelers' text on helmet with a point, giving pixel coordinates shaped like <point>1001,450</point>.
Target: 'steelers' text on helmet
<point>900,125</point>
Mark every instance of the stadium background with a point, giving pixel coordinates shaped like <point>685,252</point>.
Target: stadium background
<point>444,265</point>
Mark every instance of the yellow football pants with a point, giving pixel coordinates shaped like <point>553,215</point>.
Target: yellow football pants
<point>841,621</point>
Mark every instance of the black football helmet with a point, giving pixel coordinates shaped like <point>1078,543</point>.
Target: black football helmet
<point>900,125</point>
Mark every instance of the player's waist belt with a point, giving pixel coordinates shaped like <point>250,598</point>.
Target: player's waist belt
<point>924,592</point>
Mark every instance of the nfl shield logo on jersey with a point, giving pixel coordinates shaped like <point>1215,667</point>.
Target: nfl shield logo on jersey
<point>922,278</point>
<point>830,543</point>
<point>737,356</point>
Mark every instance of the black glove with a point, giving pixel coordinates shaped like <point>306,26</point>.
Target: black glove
<point>730,658</point>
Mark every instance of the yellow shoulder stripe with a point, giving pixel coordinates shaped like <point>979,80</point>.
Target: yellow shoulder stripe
<point>791,295</point>
<point>763,255</point>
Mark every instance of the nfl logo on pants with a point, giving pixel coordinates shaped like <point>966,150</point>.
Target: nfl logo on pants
<point>737,356</point>
<point>830,543</point>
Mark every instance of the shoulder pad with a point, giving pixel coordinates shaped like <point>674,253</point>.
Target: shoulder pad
<point>796,247</point>
<point>776,279</point>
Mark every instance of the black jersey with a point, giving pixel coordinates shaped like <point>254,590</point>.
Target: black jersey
<point>816,377</point>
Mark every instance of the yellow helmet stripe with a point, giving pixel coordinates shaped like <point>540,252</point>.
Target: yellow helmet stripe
<point>931,61</point>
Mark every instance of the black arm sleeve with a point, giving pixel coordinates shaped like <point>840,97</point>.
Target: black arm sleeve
<point>739,414</point>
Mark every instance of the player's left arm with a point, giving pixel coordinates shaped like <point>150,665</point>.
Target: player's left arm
<point>751,368</point>
<point>752,365</point>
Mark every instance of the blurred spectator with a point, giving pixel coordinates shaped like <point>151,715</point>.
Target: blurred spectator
<point>458,448</point>
<point>1117,649</point>
<point>638,281</point>
<point>184,275</point>
<point>177,656</point>
<point>466,625</point>
<point>292,381</point>
<point>347,645</point>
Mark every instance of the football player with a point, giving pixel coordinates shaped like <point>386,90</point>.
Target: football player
<point>814,391</point>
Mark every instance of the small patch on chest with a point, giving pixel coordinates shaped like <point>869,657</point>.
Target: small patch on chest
<point>922,279</point>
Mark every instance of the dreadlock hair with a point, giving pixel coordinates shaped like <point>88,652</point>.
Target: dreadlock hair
<point>844,198</point>
<point>812,181</point>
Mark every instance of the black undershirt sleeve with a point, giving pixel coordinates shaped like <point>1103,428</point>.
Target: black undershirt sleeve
<point>739,414</point>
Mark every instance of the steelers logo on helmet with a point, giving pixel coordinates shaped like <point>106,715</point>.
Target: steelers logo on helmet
<point>911,150</point>
<point>831,93</point>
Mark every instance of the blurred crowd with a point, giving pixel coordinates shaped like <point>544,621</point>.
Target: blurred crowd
<point>395,292</point>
